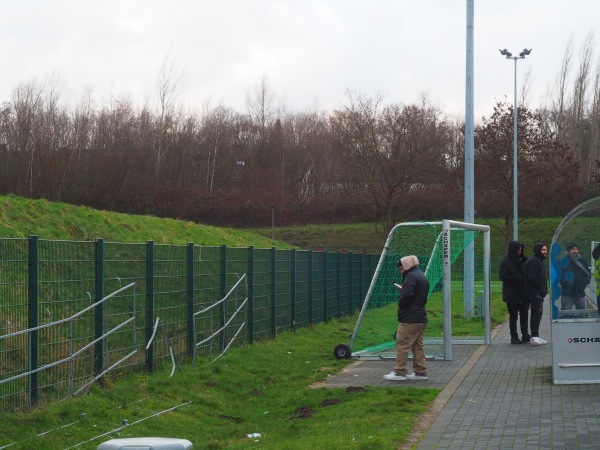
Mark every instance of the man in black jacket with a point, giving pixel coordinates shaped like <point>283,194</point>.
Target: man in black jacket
<point>511,275</point>
<point>536,288</point>
<point>412,319</point>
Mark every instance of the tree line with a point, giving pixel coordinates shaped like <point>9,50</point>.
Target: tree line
<point>365,161</point>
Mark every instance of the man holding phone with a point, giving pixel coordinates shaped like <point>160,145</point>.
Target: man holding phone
<point>412,319</point>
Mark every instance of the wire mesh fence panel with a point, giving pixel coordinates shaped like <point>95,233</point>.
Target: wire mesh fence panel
<point>66,286</point>
<point>124,264</point>
<point>237,268</point>
<point>302,289</point>
<point>282,290</point>
<point>263,298</point>
<point>344,283</point>
<point>319,286</point>
<point>355,266</point>
<point>332,291</point>
<point>14,352</point>
<point>170,301</point>
<point>207,290</point>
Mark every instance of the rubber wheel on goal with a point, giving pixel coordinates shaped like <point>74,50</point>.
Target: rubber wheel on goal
<point>342,351</point>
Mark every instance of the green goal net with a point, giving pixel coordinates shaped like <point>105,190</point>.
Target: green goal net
<point>455,258</point>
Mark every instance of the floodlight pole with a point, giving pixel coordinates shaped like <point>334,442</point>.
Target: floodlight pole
<point>521,55</point>
<point>469,203</point>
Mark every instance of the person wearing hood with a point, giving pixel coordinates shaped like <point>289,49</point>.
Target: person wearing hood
<point>575,277</point>
<point>536,288</point>
<point>511,275</point>
<point>412,318</point>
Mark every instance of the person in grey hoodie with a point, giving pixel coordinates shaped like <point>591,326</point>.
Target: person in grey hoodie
<point>536,288</point>
<point>412,318</point>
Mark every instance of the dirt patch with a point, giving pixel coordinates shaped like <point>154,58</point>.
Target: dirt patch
<point>330,401</point>
<point>354,389</point>
<point>304,412</point>
<point>231,418</point>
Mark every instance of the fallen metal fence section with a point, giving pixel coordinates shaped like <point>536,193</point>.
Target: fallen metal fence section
<point>71,358</point>
<point>226,318</point>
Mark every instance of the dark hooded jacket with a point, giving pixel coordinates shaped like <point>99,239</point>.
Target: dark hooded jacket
<point>415,288</point>
<point>511,274</point>
<point>575,275</point>
<point>536,280</point>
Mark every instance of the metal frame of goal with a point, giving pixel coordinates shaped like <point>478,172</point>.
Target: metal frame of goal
<point>441,252</point>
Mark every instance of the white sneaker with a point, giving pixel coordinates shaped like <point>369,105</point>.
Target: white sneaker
<point>537,341</point>
<point>414,376</point>
<point>393,376</point>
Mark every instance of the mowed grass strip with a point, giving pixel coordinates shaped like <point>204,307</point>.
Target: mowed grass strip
<point>261,388</point>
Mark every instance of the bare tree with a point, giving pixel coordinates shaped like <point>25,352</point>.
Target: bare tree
<point>169,85</point>
<point>391,152</point>
<point>580,138</point>
<point>27,102</point>
<point>260,105</point>
<point>560,102</point>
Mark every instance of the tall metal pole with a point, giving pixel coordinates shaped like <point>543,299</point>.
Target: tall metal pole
<point>521,55</point>
<point>469,213</point>
<point>469,122</point>
<point>515,165</point>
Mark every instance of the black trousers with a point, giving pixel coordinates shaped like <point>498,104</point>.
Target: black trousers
<point>520,312</point>
<point>537,308</point>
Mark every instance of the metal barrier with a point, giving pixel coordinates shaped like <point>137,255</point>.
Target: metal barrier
<point>41,280</point>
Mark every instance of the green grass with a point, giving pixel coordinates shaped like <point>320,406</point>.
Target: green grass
<point>22,217</point>
<point>262,388</point>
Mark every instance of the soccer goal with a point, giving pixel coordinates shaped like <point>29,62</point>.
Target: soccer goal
<point>455,257</point>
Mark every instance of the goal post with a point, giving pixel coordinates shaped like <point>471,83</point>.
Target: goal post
<point>455,257</point>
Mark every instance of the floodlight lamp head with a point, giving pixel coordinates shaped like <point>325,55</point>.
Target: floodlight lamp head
<point>524,53</point>
<point>505,53</point>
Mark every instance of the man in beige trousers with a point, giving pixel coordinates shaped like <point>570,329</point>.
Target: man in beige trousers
<point>412,318</point>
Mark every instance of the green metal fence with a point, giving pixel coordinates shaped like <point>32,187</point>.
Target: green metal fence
<point>43,282</point>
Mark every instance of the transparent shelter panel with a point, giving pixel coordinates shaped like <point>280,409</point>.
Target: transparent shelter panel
<point>580,227</point>
<point>574,268</point>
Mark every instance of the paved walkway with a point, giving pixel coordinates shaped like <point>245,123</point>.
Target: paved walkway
<point>495,397</point>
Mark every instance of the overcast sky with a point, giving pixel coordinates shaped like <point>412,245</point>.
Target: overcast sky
<point>311,51</point>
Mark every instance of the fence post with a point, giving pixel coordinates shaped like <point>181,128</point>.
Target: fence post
<point>191,341</point>
<point>338,266</point>
<point>149,304</point>
<point>325,286</point>
<point>361,277</point>
<point>350,290</point>
<point>273,291</point>
<point>33,319</point>
<point>99,310</point>
<point>310,287</point>
<point>293,288</point>
<point>250,281</point>
<point>223,293</point>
